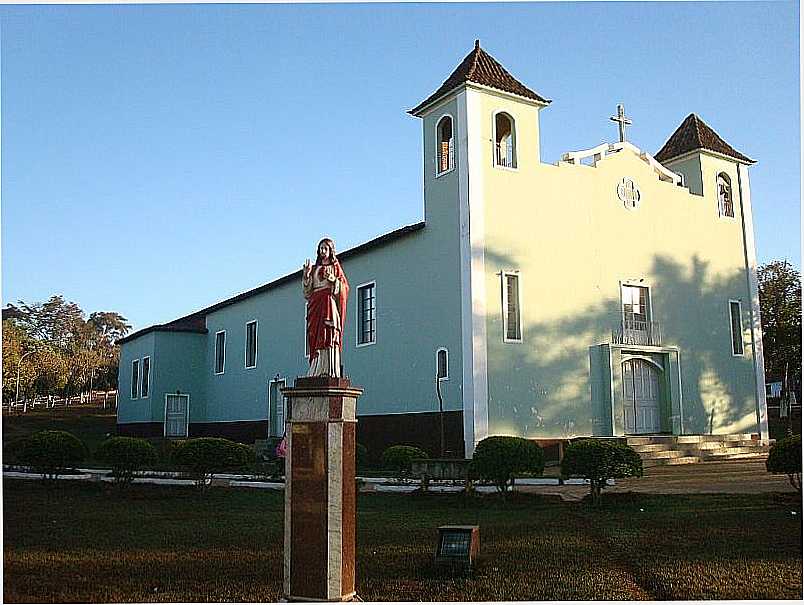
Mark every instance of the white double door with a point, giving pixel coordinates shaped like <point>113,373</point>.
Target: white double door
<point>642,395</point>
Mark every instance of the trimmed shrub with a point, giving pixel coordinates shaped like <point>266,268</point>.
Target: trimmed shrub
<point>126,455</point>
<point>203,457</point>
<point>599,460</point>
<point>785,458</point>
<point>398,458</point>
<point>361,456</point>
<point>497,459</point>
<point>50,453</point>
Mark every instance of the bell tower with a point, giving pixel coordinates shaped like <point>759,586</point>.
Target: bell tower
<point>480,124</point>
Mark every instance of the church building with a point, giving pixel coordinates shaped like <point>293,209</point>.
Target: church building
<point>613,293</point>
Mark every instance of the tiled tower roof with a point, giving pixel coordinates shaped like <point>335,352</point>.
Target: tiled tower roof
<point>694,134</point>
<point>481,68</point>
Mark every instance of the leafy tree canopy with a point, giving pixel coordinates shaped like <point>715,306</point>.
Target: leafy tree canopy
<point>780,306</point>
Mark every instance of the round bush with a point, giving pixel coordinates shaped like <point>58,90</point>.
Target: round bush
<point>599,460</point>
<point>50,453</point>
<point>496,459</point>
<point>398,458</point>
<point>207,455</point>
<point>784,457</point>
<point>126,455</point>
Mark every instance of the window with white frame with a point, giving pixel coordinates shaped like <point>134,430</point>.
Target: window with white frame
<point>446,148</point>
<point>636,313</point>
<point>511,307</point>
<point>251,344</point>
<point>504,141</point>
<point>367,314</point>
<point>442,364</point>
<point>735,316</point>
<point>135,378</point>
<point>146,377</point>
<point>220,351</point>
<point>725,200</point>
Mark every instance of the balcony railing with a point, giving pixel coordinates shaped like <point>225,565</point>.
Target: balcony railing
<point>504,155</point>
<point>637,332</point>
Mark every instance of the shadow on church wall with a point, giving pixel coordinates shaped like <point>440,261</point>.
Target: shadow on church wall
<point>542,388</point>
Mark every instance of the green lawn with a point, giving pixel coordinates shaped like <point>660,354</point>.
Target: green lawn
<point>83,542</point>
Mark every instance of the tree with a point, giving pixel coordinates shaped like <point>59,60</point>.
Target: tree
<point>72,354</point>
<point>16,344</point>
<point>785,458</point>
<point>780,306</point>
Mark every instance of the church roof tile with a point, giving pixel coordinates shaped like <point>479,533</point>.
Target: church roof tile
<point>693,134</point>
<point>481,68</point>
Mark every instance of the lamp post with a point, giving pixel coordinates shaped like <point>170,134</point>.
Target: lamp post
<point>17,395</point>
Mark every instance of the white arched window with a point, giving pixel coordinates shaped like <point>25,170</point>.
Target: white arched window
<point>725,201</point>
<point>504,141</point>
<point>446,150</point>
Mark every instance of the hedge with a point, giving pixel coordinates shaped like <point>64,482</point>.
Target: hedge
<point>126,455</point>
<point>497,459</point>
<point>50,453</point>
<point>599,460</point>
<point>784,457</point>
<point>204,456</point>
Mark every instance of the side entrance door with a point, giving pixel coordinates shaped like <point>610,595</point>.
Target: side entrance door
<point>276,408</point>
<point>641,397</point>
<point>177,414</point>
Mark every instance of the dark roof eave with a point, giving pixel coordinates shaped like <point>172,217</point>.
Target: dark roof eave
<point>296,275</point>
<point>422,107</point>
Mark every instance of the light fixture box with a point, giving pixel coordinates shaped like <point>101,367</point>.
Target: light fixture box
<point>458,546</point>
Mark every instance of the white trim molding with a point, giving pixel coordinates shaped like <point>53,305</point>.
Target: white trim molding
<point>215,355</point>
<point>358,318</point>
<point>754,317</point>
<point>473,269</point>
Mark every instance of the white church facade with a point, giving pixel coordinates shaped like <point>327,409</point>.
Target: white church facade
<point>613,293</point>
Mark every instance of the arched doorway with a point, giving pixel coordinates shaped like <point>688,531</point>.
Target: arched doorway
<point>642,395</point>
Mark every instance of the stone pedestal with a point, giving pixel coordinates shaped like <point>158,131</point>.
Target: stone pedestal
<point>320,490</point>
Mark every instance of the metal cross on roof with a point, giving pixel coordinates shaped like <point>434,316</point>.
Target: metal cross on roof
<point>621,120</point>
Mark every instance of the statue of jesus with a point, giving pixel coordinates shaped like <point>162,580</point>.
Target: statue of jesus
<point>326,290</point>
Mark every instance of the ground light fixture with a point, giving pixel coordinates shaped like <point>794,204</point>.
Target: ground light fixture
<point>458,546</point>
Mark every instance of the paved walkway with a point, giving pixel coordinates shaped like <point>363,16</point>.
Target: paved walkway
<point>728,477</point>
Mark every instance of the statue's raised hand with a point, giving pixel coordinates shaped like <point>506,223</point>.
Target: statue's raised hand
<point>307,269</point>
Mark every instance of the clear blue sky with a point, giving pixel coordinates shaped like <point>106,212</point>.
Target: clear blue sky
<point>157,159</point>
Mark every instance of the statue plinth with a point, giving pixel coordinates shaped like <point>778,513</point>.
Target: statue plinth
<point>320,490</point>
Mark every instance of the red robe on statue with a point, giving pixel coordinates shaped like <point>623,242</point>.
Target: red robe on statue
<point>326,313</point>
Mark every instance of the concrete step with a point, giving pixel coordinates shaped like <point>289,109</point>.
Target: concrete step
<point>661,454</point>
<point>670,461</point>
<point>734,456</point>
<point>651,447</point>
<point>653,439</point>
